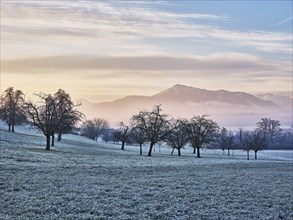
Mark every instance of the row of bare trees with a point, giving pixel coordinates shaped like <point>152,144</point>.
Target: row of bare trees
<point>154,127</point>
<point>52,113</point>
<point>262,137</point>
<point>253,140</point>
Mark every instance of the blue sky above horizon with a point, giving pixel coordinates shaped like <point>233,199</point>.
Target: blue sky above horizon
<point>104,50</point>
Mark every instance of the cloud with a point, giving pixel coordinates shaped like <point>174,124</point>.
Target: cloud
<point>104,22</point>
<point>261,40</point>
<point>108,78</point>
<point>87,45</point>
<point>290,18</point>
<point>229,62</point>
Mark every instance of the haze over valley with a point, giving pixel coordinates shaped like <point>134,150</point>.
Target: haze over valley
<point>230,109</point>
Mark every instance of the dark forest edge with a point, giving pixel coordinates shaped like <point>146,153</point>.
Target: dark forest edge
<point>56,114</point>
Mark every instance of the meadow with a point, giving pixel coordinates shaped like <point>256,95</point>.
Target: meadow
<point>83,179</point>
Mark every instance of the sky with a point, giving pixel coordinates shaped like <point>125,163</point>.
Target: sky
<point>105,50</point>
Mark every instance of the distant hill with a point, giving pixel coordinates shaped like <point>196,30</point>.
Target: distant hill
<point>229,108</point>
<point>280,100</point>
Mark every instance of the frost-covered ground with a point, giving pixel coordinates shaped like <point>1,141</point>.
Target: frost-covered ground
<point>83,179</point>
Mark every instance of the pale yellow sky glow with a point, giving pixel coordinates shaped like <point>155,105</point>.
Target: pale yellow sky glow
<point>104,50</point>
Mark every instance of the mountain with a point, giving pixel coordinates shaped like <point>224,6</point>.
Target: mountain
<point>228,108</point>
<point>180,93</point>
<point>280,100</point>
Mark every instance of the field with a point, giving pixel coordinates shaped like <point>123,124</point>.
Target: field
<point>83,179</point>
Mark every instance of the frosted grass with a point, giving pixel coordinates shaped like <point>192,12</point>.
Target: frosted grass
<point>83,179</point>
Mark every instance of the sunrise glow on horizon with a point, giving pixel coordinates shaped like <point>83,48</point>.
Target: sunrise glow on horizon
<point>104,50</point>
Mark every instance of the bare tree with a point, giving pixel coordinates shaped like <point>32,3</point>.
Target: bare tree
<point>93,129</point>
<point>245,141</point>
<point>11,108</point>
<point>122,134</point>
<point>226,140</point>
<point>270,127</point>
<point>100,126</point>
<point>155,125</point>
<point>46,114</point>
<point>70,119</point>
<point>88,129</point>
<point>177,137</point>
<point>201,131</point>
<point>257,141</point>
<point>139,137</point>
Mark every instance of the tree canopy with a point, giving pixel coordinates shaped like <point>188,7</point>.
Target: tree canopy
<point>201,131</point>
<point>11,108</point>
<point>154,124</point>
<point>52,113</point>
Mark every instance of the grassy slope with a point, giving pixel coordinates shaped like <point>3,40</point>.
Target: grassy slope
<point>80,179</point>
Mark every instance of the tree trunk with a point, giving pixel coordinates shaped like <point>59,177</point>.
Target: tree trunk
<point>53,140</point>
<point>140,149</point>
<point>59,136</point>
<point>223,152</point>
<point>47,142</point>
<point>172,151</point>
<point>179,152</point>
<point>151,148</point>
<point>122,145</point>
<point>13,122</point>
<point>194,150</point>
<point>9,127</point>
<point>248,155</point>
<point>255,155</point>
<point>228,152</point>
<point>198,152</point>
